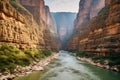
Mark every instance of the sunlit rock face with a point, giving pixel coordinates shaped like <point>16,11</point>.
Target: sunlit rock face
<point>64,23</point>
<point>87,10</point>
<point>18,26</point>
<point>42,15</point>
<point>101,36</point>
<point>35,7</point>
<point>27,26</point>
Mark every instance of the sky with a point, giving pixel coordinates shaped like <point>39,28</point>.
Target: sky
<point>63,5</point>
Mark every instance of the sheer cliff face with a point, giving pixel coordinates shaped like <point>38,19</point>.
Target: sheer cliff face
<point>42,15</point>
<point>50,33</point>
<point>23,29</point>
<point>103,31</point>
<point>87,10</point>
<point>37,8</point>
<point>50,22</point>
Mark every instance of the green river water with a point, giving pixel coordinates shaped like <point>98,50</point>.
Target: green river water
<point>67,67</point>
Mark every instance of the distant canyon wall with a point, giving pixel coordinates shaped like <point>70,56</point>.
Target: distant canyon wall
<point>64,25</point>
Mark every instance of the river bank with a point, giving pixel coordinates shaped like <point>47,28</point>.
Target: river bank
<point>22,71</point>
<point>68,67</point>
<point>97,63</point>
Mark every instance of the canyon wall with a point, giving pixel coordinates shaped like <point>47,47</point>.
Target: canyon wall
<point>50,33</point>
<point>24,27</point>
<point>87,11</point>
<point>42,15</point>
<point>64,24</point>
<point>15,28</point>
<point>101,35</point>
<point>37,8</point>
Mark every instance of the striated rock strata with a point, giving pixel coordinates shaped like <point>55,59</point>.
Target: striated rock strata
<point>25,27</point>
<point>42,16</point>
<point>102,34</point>
<point>16,29</point>
<point>87,10</point>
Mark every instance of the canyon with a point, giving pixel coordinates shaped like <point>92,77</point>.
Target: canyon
<point>64,25</point>
<point>30,33</point>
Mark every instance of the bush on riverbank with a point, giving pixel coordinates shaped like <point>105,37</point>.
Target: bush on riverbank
<point>110,60</point>
<point>10,57</point>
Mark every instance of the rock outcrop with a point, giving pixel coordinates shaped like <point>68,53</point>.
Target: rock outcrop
<point>101,35</point>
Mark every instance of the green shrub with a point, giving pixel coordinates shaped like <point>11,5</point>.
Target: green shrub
<point>11,56</point>
<point>112,60</point>
<point>46,52</point>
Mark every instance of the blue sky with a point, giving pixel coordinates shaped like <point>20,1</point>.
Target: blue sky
<point>63,5</point>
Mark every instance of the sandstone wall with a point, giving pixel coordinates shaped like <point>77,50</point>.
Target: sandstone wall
<point>50,34</point>
<point>87,10</point>
<point>15,29</point>
<point>20,27</point>
<point>101,36</point>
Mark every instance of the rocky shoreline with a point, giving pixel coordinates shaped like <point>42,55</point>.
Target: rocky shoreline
<point>22,71</point>
<point>97,63</point>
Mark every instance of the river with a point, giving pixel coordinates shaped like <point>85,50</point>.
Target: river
<point>68,67</point>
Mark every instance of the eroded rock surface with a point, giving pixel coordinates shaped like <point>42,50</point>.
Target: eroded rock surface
<point>101,34</point>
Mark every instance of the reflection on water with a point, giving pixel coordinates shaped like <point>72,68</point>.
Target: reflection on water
<point>67,67</point>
